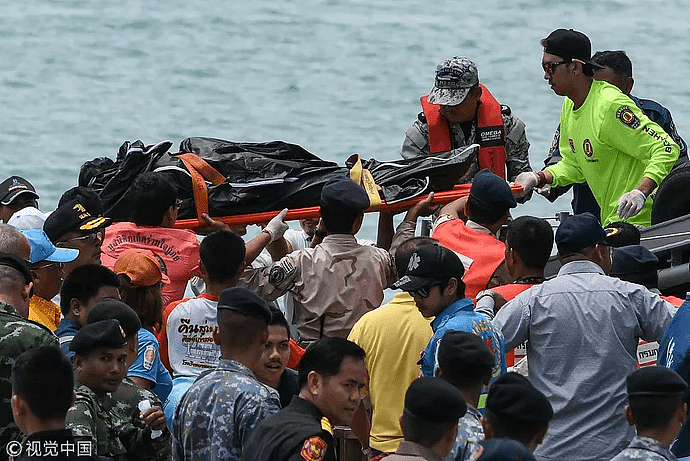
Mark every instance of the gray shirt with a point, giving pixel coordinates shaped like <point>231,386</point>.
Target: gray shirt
<point>583,329</point>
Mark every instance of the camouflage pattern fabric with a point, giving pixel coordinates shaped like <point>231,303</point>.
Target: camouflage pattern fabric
<point>644,448</point>
<point>517,147</point>
<point>17,335</point>
<point>219,412</point>
<point>89,418</point>
<point>470,433</point>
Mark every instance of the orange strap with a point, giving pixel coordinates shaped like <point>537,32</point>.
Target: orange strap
<point>439,131</point>
<point>200,170</point>
<point>492,153</point>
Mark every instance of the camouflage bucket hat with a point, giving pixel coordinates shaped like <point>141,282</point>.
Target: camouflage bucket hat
<point>454,78</point>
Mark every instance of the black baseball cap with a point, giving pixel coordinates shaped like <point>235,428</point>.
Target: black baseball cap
<point>569,44</point>
<point>635,263</point>
<point>430,265</point>
<point>72,216</point>
<point>579,231</point>
<point>491,191</point>
<point>13,187</point>
<point>343,194</point>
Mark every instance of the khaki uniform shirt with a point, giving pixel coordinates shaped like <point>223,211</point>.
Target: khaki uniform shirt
<point>410,451</point>
<point>333,285</point>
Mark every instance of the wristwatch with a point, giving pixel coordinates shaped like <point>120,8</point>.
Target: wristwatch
<point>367,451</point>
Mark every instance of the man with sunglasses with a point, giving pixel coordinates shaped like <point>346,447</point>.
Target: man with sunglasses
<point>605,139</point>
<point>583,329</point>
<point>434,279</point>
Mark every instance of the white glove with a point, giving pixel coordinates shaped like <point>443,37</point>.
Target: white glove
<point>631,203</point>
<point>276,227</point>
<point>528,180</point>
<point>545,191</point>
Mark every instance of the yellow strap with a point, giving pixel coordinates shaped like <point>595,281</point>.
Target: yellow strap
<point>364,178</point>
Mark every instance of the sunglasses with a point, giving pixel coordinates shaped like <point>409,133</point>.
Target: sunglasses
<point>92,237</point>
<point>550,67</point>
<point>422,292</point>
<point>48,264</point>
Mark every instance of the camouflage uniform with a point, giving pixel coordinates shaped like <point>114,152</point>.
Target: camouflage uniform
<point>644,448</point>
<point>17,335</point>
<point>113,424</point>
<point>470,433</point>
<point>215,418</point>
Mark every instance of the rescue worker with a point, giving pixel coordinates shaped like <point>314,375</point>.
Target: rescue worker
<point>481,252</point>
<point>657,409</point>
<point>331,378</point>
<point>605,139</point>
<point>460,111</point>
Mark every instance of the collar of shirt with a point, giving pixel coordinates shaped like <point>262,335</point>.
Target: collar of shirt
<point>234,366</point>
<point>462,304</point>
<point>647,443</point>
<point>479,228</point>
<point>576,267</point>
<point>104,402</point>
<point>413,449</point>
<point>341,239</point>
<point>67,325</point>
<point>9,309</point>
<point>476,414</point>
<point>306,407</point>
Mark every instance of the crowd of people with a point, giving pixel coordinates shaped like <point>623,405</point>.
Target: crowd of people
<point>137,340</point>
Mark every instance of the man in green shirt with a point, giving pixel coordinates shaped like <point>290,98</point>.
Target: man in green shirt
<point>605,139</point>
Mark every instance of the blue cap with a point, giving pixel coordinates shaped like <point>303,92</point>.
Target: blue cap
<point>42,249</point>
<point>579,231</point>
<point>635,263</point>
<point>491,191</point>
<point>504,449</point>
<point>342,194</point>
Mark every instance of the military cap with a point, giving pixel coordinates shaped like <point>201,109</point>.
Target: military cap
<point>579,231</point>
<point>430,265</point>
<point>491,191</point>
<point>454,78</point>
<point>109,308</point>
<point>635,263</point>
<point>15,262</point>
<point>434,400</point>
<point>245,302</point>
<point>105,333</point>
<point>72,216</point>
<point>504,450</point>
<point>461,350</point>
<point>513,398</point>
<point>13,187</point>
<point>344,195</point>
<point>569,44</point>
<point>655,381</point>
<point>42,249</point>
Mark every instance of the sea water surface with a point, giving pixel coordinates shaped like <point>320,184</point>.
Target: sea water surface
<point>80,77</point>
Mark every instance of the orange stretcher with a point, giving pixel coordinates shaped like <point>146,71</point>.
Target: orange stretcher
<point>443,197</point>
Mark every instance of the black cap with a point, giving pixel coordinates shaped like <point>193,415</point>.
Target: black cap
<point>430,265</point>
<point>579,231</point>
<point>513,398</point>
<point>106,333</point>
<point>569,44</point>
<point>460,350</point>
<point>245,302</point>
<point>15,262</point>
<point>109,308</point>
<point>635,263</point>
<point>655,381</point>
<point>504,450</point>
<point>72,216</point>
<point>13,187</point>
<point>491,191</point>
<point>342,194</point>
<point>434,400</point>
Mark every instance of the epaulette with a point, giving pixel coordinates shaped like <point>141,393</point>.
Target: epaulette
<point>505,110</point>
<point>326,425</point>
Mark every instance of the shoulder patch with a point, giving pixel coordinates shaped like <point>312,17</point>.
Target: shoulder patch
<point>314,449</point>
<point>627,117</point>
<point>505,110</point>
<point>149,357</point>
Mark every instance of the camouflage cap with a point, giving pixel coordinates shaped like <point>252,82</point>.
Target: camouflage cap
<point>454,78</point>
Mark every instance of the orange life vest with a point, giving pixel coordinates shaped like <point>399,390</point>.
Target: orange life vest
<point>481,253</point>
<point>492,151</point>
<point>508,292</point>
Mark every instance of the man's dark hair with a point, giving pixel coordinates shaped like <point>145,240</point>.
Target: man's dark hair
<point>325,357</point>
<point>87,197</point>
<point>423,432</point>
<point>43,377</point>
<point>627,234</point>
<point>482,214</point>
<point>150,196</point>
<point>84,282</point>
<point>532,240</point>
<point>222,253</point>
<point>522,432</point>
<point>405,250</point>
<point>338,222</point>
<point>277,318</point>
<point>92,168</point>
<point>652,412</point>
<point>616,60</point>
<point>237,331</point>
